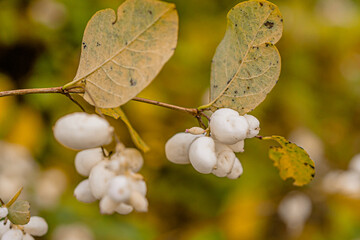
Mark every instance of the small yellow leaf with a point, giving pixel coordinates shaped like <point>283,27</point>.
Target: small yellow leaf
<point>123,52</point>
<point>292,161</point>
<point>246,65</point>
<point>118,113</point>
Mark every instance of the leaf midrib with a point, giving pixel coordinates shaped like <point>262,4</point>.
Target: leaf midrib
<point>241,64</point>
<point>130,42</point>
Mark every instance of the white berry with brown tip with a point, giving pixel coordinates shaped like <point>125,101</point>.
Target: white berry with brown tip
<point>119,189</point>
<point>254,126</point>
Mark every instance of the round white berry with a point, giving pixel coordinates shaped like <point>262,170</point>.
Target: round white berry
<point>83,192</point>
<point>87,159</point>
<point>119,189</point>
<point>225,160</point>
<point>4,227</point>
<point>107,205</point>
<point>3,212</point>
<point>177,148</point>
<point>238,147</point>
<point>139,186</point>
<point>83,131</point>
<point>236,170</point>
<point>355,163</point>
<point>37,226</point>
<point>202,154</point>
<point>28,237</point>
<point>124,208</point>
<point>13,234</point>
<point>138,201</point>
<point>228,127</point>
<point>99,179</point>
<point>133,158</point>
<point>254,126</point>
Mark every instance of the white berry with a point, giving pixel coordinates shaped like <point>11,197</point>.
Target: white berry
<point>124,208</point>
<point>83,131</point>
<point>236,170</point>
<point>177,148</point>
<point>99,178</point>
<point>87,159</point>
<point>202,154</point>
<point>254,126</point>
<point>119,189</point>
<point>138,201</point>
<point>133,158</point>
<point>28,237</point>
<point>4,227</point>
<point>139,186</point>
<point>3,212</point>
<point>228,127</point>
<point>107,205</point>
<point>238,147</point>
<point>37,226</point>
<point>13,234</point>
<point>225,160</point>
<point>83,192</point>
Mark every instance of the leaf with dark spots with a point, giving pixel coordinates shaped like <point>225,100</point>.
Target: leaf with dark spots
<point>136,42</point>
<point>244,57</point>
<point>292,161</point>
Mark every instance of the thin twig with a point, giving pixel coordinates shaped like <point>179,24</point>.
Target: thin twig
<point>80,89</point>
<point>192,111</point>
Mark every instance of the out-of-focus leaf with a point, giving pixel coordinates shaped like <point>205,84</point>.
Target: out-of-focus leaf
<point>292,161</point>
<point>118,113</point>
<point>19,212</point>
<point>246,65</point>
<point>121,54</point>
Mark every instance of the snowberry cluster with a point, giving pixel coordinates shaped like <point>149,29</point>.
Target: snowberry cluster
<point>111,179</point>
<point>37,226</point>
<point>214,151</point>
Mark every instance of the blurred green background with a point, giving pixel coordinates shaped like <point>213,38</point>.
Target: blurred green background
<point>316,104</point>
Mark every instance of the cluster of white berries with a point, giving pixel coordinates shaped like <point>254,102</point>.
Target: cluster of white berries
<point>111,179</point>
<point>214,153</point>
<point>37,226</point>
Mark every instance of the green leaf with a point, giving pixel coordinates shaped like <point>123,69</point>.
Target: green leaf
<point>122,53</point>
<point>292,161</point>
<point>19,212</point>
<point>246,65</point>
<point>118,113</point>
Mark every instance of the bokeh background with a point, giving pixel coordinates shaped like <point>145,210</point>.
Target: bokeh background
<point>316,104</point>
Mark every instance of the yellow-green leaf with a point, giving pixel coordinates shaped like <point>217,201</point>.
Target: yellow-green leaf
<point>19,212</point>
<point>122,53</point>
<point>14,198</point>
<point>118,113</point>
<point>292,161</point>
<point>246,65</point>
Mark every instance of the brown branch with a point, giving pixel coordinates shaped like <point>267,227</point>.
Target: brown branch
<point>78,89</point>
